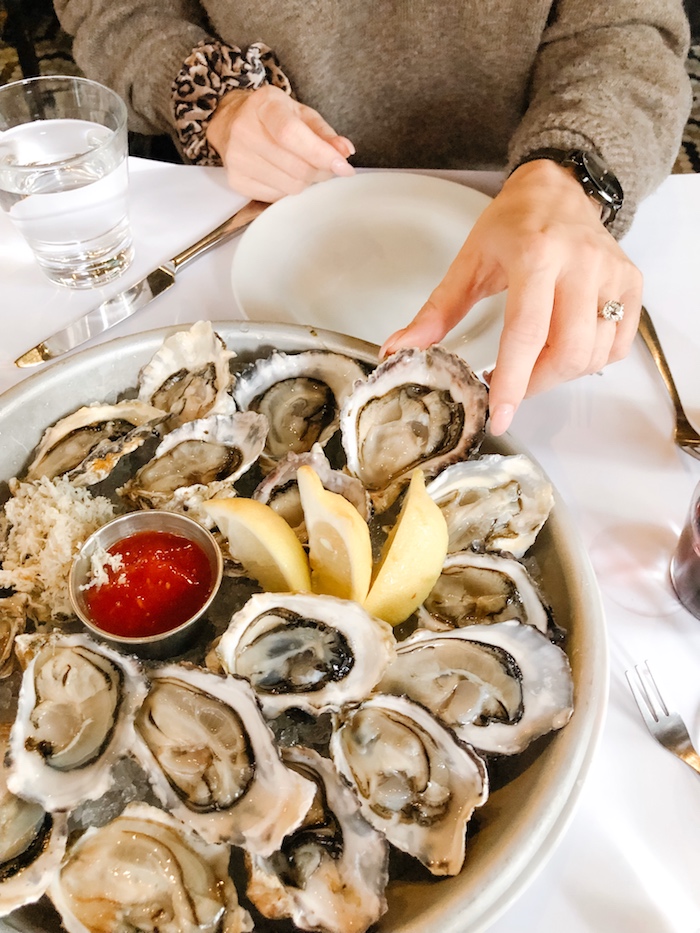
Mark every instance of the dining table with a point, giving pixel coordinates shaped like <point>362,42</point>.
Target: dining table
<point>628,860</point>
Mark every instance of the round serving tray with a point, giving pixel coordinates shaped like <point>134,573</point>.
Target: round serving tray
<point>516,831</point>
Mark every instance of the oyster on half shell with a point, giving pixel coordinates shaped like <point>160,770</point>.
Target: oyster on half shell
<point>416,782</point>
<point>197,461</point>
<point>211,760</point>
<point>87,444</point>
<point>496,686</point>
<point>74,719</point>
<point>190,375</point>
<point>419,408</point>
<point>145,871</point>
<point>330,873</point>
<point>300,394</point>
<point>497,502</point>
<point>13,619</point>
<point>32,843</point>
<point>306,651</point>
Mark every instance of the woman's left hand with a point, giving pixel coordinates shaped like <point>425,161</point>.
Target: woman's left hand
<point>541,239</point>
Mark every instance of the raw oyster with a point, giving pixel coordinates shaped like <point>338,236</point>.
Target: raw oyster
<point>74,719</point>
<point>189,375</point>
<point>300,394</point>
<point>482,588</point>
<point>307,651</point>
<point>145,871</point>
<point>211,760</point>
<point>415,781</point>
<point>496,686</point>
<point>496,502</point>
<point>13,618</point>
<point>329,875</point>
<point>32,843</point>
<point>197,461</point>
<point>280,491</point>
<point>419,408</point>
<point>87,445</point>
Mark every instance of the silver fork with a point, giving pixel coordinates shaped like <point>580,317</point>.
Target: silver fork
<point>667,728</point>
<point>684,433</point>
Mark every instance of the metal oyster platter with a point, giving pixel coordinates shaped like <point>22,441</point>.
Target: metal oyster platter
<point>529,808</point>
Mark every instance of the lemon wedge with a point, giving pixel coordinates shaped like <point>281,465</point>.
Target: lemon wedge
<point>412,556</point>
<point>263,542</point>
<point>340,552</point>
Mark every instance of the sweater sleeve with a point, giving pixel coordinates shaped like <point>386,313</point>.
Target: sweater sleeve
<point>611,76</point>
<point>136,47</point>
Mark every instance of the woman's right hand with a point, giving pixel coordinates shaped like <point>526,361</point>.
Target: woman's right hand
<point>271,145</point>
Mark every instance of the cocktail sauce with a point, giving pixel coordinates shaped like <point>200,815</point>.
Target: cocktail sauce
<point>162,580</point>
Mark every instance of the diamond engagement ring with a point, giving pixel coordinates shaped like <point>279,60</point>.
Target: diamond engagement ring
<point>612,311</point>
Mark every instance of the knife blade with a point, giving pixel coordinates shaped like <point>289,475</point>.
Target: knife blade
<point>132,299</point>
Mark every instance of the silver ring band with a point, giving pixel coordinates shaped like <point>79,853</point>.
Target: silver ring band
<point>612,311</point>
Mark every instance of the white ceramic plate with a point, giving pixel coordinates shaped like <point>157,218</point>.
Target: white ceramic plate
<point>517,830</point>
<point>361,255</point>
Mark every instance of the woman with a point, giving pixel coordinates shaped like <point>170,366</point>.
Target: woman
<point>583,103</point>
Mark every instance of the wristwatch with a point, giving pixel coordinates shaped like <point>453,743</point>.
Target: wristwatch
<point>593,174</point>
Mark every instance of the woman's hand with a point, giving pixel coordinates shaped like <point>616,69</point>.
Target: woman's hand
<point>541,238</point>
<point>272,145</point>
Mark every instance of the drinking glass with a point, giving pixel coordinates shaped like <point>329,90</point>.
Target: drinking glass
<point>685,563</point>
<point>63,176</point>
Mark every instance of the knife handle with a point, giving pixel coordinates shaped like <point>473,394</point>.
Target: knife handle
<point>228,228</point>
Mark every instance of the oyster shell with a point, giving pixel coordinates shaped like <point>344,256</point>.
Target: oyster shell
<point>74,719</point>
<point>32,843</point>
<point>496,686</point>
<point>482,588</point>
<point>280,491</point>
<point>87,444</point>
<point>300,394</point>
<point>145,871</point>
<point>497,502</point>
<point>307,651</point>
<point>189,375</point>
<point>415,781</point>
<point>211,760</point>
<point>13,619</point>
<point>329,875</point>
<point>197,461</point>
<point>419,408</point>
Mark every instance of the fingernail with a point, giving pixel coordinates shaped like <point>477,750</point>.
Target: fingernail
<point>500,419</point>
<point>341,167</point>
<point>348,145</point>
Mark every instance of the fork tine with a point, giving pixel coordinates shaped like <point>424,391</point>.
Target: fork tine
<point>640,695</point>
<point>652,696</point>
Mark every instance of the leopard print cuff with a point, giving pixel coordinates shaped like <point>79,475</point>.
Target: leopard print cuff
<point>211,70</point>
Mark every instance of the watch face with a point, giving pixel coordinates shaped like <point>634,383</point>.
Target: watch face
<point>606,184</point>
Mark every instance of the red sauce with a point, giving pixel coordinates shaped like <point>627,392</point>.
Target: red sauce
<point>164,579</point>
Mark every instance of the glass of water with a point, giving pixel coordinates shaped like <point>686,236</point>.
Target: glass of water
<point>63,176</point>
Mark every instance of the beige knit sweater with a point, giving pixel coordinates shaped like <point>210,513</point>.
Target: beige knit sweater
<point>415,83</point>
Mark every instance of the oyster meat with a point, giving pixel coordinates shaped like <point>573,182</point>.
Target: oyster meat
<point>211,760</point>
<point>300,394</point>
<point>480,588</point>
<point>416,782</point>
<point>190,375</point>
<point>145,871</point>
<point>419,408</point>
<point>32,843</point>
<point>329,875</point>
<point>13,619</point>
<point>497,502</point>
<point>74,719</point>
<point>306,651</point>
<point>87,445</point>
<point>496,686</point>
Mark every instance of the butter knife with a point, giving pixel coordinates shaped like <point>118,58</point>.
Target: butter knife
<point>128,302</point>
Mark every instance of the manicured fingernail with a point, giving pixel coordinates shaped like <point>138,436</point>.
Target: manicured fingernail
<point>500,419</point>
<point>348,145</point>
<point>341,167</point>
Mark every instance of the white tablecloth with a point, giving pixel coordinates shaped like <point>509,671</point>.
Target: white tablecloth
<point>630,859</point>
